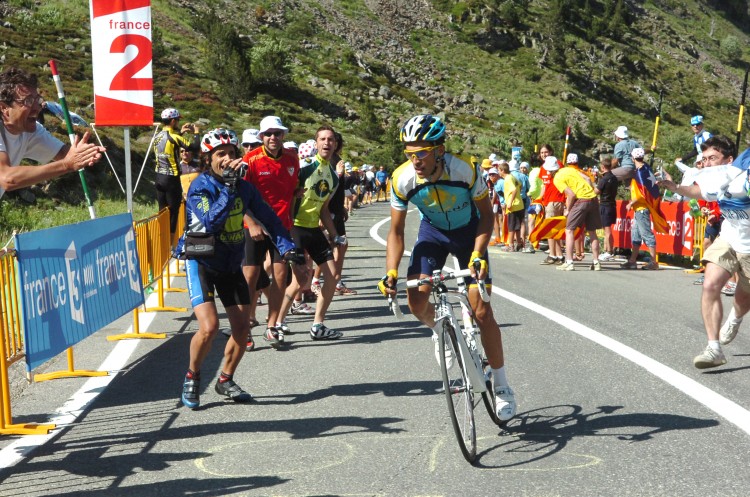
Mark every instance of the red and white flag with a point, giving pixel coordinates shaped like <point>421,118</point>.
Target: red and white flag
<point>121,53</point>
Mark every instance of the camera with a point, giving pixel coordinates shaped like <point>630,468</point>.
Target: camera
<point>233,176</point>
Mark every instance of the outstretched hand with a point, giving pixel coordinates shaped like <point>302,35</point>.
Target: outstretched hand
<point>82,153</point>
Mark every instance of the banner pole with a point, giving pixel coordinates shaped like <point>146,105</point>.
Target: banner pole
<point>128,172</point>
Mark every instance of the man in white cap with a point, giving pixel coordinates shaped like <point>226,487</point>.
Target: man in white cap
<point>623,166</point>
<point>274,171</point>
<point>250,140</point>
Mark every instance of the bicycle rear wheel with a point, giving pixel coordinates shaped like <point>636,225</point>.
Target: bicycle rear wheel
<point>458,394</point>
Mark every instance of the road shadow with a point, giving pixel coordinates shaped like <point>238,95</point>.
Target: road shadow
<point>542,433</point>
<point>391,389</point>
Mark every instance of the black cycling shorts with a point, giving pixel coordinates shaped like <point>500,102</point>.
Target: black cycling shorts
<point>203,283</point>
<point>314,242</point>
<point>256,251</point>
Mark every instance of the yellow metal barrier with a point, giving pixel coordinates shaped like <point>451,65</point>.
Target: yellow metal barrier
<point>153,245</point>
<point>178,231</point>
<point>699,233</point>
<point>11,346</point>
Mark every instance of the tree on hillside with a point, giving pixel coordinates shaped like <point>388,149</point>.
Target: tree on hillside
<point>369,124</point>
<point>226,57</point>
<point>270,64</point>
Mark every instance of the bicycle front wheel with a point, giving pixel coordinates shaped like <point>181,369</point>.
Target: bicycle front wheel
<point>458,393</point>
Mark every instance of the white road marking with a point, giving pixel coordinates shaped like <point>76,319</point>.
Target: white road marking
<point>727,409</point>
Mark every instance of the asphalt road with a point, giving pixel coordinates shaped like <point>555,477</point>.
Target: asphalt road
<point>609,402</point>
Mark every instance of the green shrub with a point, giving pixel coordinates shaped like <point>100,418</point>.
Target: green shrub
<point>731,48</point>
<point>270,63</point>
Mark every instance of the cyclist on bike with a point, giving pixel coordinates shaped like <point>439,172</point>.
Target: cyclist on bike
<point>456,219</point>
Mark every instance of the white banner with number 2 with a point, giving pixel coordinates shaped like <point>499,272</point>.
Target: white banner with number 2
<point>122,60</point>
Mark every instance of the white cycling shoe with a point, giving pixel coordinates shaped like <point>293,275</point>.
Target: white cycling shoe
<point>448,352</point>
<point>505,403</point>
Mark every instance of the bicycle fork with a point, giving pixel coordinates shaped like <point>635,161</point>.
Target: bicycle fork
<point>467,346</point>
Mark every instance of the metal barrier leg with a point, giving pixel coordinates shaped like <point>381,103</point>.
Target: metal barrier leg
<point>136,331</point>
<point>70,373</point>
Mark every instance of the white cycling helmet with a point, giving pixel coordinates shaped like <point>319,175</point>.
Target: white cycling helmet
<point>217,137</point>
<point>424,127</point>
<point>170,113</point>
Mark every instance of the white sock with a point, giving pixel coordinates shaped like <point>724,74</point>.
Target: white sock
<point>569,261</point>
<point>715,345</point>
<point>499,377</point>
<point>316,281</point>
<point>732,317</point>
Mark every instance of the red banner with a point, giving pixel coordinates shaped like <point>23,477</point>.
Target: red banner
<point>679,240</point>
<point>122,59</point>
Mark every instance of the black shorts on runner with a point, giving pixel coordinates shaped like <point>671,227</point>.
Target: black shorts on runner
<point>256,251</point>
<point>204,283</point>
<point>314,242</point>
<point>339,224</point>
<point>608,213</point>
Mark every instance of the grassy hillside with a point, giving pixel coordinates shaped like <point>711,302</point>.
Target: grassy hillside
<point>502,72</point>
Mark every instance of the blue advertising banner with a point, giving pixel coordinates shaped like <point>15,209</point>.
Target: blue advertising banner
<point>75,280</point>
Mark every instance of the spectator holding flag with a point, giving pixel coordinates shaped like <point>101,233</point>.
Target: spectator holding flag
<point>644,200</point>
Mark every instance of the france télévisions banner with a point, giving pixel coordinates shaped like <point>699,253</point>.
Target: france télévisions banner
<point>75,280</point>
<point>121,53</point>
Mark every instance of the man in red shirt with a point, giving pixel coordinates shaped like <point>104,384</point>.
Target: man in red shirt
<point>554,205</point>
<point>274,171</point>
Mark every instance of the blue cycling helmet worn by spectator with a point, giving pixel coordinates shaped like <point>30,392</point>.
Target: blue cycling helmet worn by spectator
<point>424,127</point>
<point>696,120</point>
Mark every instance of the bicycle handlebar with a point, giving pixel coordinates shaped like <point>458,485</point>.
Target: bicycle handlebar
<point>463,273</point>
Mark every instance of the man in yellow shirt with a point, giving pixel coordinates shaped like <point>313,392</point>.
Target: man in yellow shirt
<point>513,208</point>
<point>581,210</point>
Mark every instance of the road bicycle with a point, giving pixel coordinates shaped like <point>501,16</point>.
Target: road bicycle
<point>470,373</point>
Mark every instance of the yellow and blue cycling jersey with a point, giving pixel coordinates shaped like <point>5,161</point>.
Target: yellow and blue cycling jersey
<point>447,203</point>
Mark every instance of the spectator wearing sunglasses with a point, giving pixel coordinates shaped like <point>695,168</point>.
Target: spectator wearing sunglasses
<point>22,137</point>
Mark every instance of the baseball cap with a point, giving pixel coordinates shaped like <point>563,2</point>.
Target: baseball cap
<point>695,120</point>
<point>621,132</point>
<point>271,122</point>
<point>638,153</point>
<point>513,165</point>
<point>292,145</point>
<point>572,159</point>
<point>550,164</point>
<point>250,137</point>
<point>524,164</point>
<point>493,170</point>
<point>492,157</point>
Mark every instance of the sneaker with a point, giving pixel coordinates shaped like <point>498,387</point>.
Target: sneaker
<point>322,332</point>
<point>699,281</point>
<point>273,337</point>
<point>560,261</point>
<point>528,249</point>
<point>301,308</point>
<point>505,403</point>
<point>709,358</point>
<point>548,261</point>
<point>250,342</point>
<point>729,288</point>
<point>596,266</point>
<point>606,257</point>
<point>448,352</point>
<point>232,391</point>
<point>283,328</point>
<point>651,266</point>
<point>566,266</point>
<point>728,331</point>
<point>190,397</point>
<point>344,290</point>
<point>315,288</point>
<point>629,265</point>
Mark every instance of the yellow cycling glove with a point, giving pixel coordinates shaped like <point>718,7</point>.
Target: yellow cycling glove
<point>383,283</point>
<point>477,257</point>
